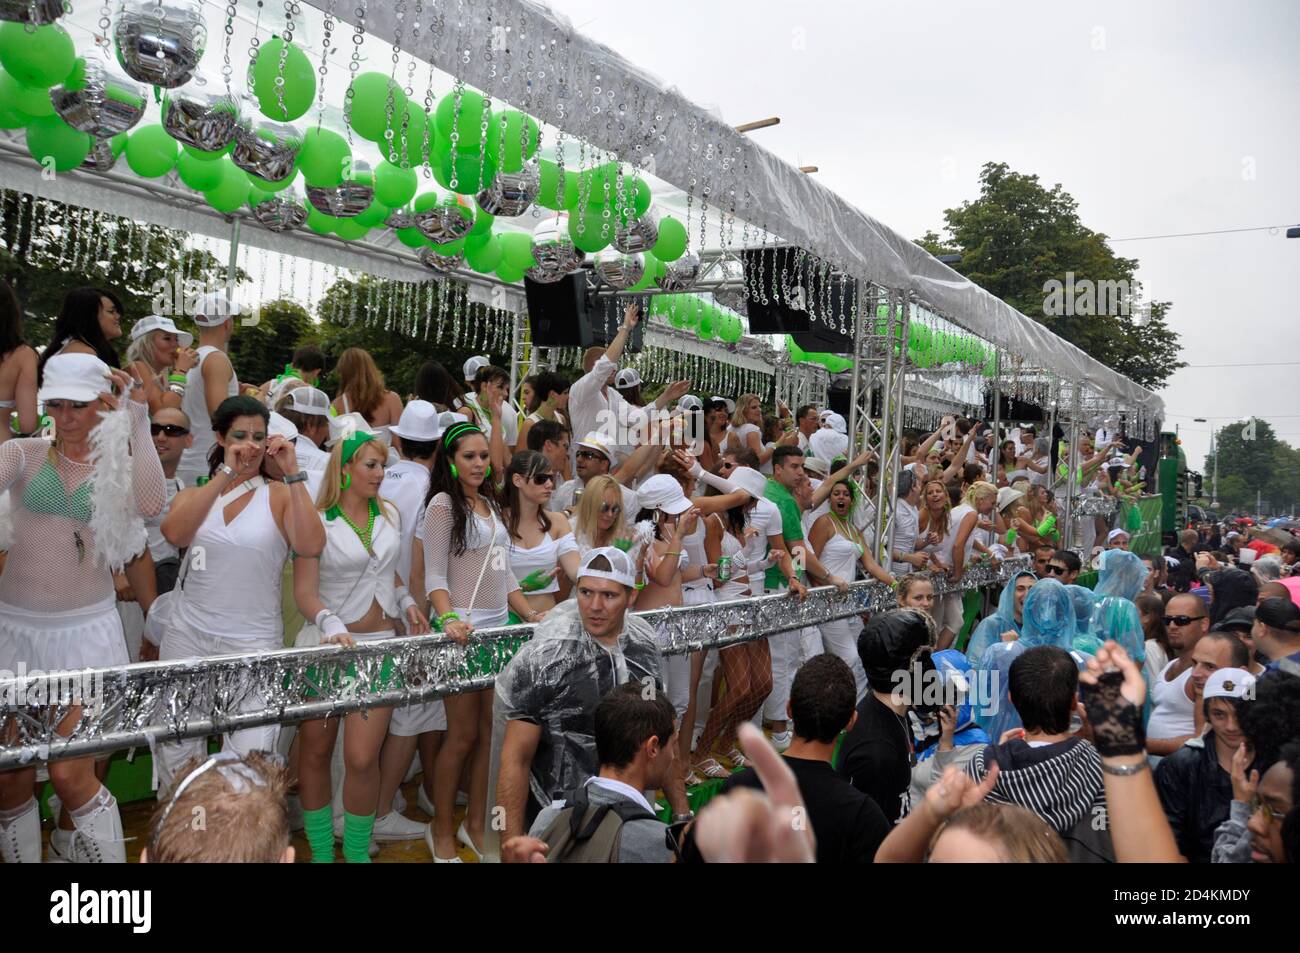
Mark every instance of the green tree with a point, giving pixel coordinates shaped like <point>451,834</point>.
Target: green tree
<point>1018,236</point>
<point>1253,460</point>
<point>259,351</point>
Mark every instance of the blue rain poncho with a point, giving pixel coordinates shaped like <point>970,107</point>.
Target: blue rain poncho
<point>1085,602</point>
<point>1048,620</point>
<point>955,672</point>
<point>1122,574</point>
<point>1115,616</point>
<point>990,630</point>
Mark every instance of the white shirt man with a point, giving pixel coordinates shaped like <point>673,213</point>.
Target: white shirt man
<point>209,382</point>
<point>593,457</point>
<point>907,520</point>
<point>406,483</point>
<point>309,410</point>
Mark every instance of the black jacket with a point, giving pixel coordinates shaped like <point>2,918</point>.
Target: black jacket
<point>1197,794</point>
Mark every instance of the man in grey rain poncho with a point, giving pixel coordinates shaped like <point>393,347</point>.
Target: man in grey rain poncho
<point>543,716</point>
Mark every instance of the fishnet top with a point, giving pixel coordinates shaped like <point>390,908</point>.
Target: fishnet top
<point>458,574</point>
<point>52,566</point>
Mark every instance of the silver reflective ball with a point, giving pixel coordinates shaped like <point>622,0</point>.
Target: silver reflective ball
<point>100,158</point>
<point>98,102</point>
<point>680,275</point>
<point>400,218</point>
<point>206,121</point>
<point>442,223</point>
<point>161,44</point>
<point>347,200</point>
<point>553,250</point>
<point>639,235</point>
<point>511,193</point>
<point>35,12</point>
<point>618,270</point>
<point>266,149</point>
<point>281,211</point>
<point>443,264</point>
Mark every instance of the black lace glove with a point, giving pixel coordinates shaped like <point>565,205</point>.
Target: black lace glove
<point>1116,721</point>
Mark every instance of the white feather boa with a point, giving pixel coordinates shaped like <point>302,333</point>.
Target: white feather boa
<point>114,517</point>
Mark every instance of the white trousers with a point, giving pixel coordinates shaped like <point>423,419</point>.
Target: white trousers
<point>841,638</point>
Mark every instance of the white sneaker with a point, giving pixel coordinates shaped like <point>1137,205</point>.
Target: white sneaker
<point>99,838</point>
<point>781,740</point>
<point>394,827</point>
<point>20,839</point>
<point>423,803</point>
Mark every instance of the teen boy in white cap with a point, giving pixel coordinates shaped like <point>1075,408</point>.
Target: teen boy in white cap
<point>209,382</point>
<point>1117,539</point>
<point>308,409</point>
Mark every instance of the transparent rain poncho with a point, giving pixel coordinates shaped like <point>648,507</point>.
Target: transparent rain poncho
<point>1115,616</point>
<point>1048,620</point>
<point>956,672</point>
<point>1003,619</point>
<point>1122,574</point>
<point>1085,601</point>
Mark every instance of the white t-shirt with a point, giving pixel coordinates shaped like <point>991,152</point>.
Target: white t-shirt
<point>563,499</point>
<point>591,411</point>
<point>310,457</point>
<point>159,548</point>
<point>766,518</point>
<point>405,485</point>
<point>906,521</point>
<point>955,518</point>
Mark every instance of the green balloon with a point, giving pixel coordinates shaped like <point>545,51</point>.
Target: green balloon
<point>512,139</point>
<point>672,239</point>
<point>648,276</point>
<point>12,117</point>
<point>42,57</point>
<point>151,153</point>
<point>118,144</point>
<point>517,250</point>
<point>319,222</point>
<point>509,274</point>
<point>412,237</point>
<point>230,193</point>
<point>199,174</point>
<point>597,231</point>
<point>412,142</point>
<point>368,116</point>
<point>323,157</point>
<point>601,183</point>
<point>31,100</point>
<point>640,195</point>
<point>349,229</point>
<point>466,120</point>
<point>50,138</point>
<point>394,186</point>
<point>730,329</point>
<point>482,222</point>
<point>471,175</point>
<point>295,96</point>
<point>706,329</point>
<point>555,190</point>
<point>425,201</point>
<point>376,214</point>
<point>484,256</point>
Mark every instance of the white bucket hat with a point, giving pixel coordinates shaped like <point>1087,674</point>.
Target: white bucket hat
<point>419,422</point>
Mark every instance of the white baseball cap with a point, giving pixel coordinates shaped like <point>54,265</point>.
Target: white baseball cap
<point>472,366</point>
<point>731,404</point>
<point>214,309</point>
<point>1229,683</point>
<point>281,427</point>
<point>156,322</point>
<point>690,402</point>
<point>305,399</point>
<point>749,480</point>
<point>1116,534</point>
<point>621,571</point>
<point>837,423</point>
<point>662,492</point>
<point>419,422</point>
<point>78,377</point>
<point>816,465</point>
<point>627,377</point>
<point>598,442</point>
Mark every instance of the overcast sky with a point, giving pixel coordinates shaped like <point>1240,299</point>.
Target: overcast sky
<point>1158,117</point>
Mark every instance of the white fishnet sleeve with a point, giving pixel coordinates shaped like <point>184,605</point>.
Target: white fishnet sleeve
<point>437,528</point>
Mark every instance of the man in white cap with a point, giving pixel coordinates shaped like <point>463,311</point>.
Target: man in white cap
<point>594,403</point>
<point>1117,539</point>
<point>308,409</point>
<point>830,443</point>
<point>593,456</point>
<point>546,696</point>
<point>209,382</point>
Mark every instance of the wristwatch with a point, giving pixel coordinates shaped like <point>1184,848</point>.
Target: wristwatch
<point>228,471</point>
<point>299,477</point>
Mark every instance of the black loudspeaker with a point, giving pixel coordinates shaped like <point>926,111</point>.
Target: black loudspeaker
<point>802,300</point>
<point>605,317</point>
<point>839,398</point>
<point>558,311</point>
<point>1020,411</point>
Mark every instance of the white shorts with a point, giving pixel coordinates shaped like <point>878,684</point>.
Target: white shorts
<point>89,637</point>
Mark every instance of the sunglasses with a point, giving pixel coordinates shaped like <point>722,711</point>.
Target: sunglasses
<point>614,508</point>
<point>541,479</point>
<point>171,430</point>
<point>1181,620</point>
<point>589,455</point>
<point>1054,570</point>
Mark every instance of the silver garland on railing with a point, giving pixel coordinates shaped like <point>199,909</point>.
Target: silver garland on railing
<point>1094,506</point>
<point>164,701</point>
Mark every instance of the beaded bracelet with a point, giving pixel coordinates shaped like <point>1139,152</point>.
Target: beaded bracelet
<point>446,617</point>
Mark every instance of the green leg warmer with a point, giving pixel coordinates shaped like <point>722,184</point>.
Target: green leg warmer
<point>356,837</point>
<point>319,827</point>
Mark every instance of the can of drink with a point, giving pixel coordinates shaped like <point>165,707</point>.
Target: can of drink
<point>724,568</point>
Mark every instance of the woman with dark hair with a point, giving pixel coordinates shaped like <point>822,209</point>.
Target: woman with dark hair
<point>362,390</point>
<point>486,407</point>
<point>242,525</point>
<point>470,587</point>
<point>550,401</point>
<point>78,509</point>
<point>542,547</point>
<point>434,383</point>
<point>17,370</point>
<point>1008,471</point>
<point>89,319</point>
<point>1151,610</point>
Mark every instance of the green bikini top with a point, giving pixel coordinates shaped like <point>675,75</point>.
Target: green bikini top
<point>46,494</point>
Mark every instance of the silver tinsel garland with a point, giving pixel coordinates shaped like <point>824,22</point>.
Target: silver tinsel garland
<point>1094,506</point>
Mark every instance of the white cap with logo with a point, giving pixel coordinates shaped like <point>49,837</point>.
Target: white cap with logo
<point>472,367</point>
<point>1229,683</point>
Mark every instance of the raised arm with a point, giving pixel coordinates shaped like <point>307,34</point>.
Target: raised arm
<point>922,450</point>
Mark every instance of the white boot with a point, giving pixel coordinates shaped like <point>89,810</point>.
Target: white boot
<point>20,835</point>
<point>60,847</point>
<point>99,838</point>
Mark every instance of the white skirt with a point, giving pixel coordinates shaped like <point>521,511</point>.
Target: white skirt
<point>90,637</point>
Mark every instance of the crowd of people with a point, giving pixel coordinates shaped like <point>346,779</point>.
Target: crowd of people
<point>162,508</point>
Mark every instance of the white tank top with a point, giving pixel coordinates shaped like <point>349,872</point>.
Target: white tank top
<point>234,592</point>
<point>840,556</point>
<point>1172,713</point>
<point>731,549</point>
<point>545,556</point>
<point>955,518</point>
<point>693,547</point>
<point>194,459</point>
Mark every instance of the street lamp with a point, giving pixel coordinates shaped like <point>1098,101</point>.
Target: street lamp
<point>1214,480</point>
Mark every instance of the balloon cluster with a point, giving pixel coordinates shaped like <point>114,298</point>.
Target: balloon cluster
<point>692,312</point>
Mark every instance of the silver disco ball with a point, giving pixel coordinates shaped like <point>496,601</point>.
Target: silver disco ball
<point>281,211</point>
<point>443,264</point>
<point>101,157</point>
<point>98,102</point>
<point>442,223</point>
<point>553,250</point>
<point>161,44</point>
<point>511,193</point>
<point>35,12</point>
<point>639,235</point>
<point>680,275</point>
<point>206,121</point>
<point>618,270</point>
<point>347,200</point>
<point>266,149</point>
<point>400,218</point>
